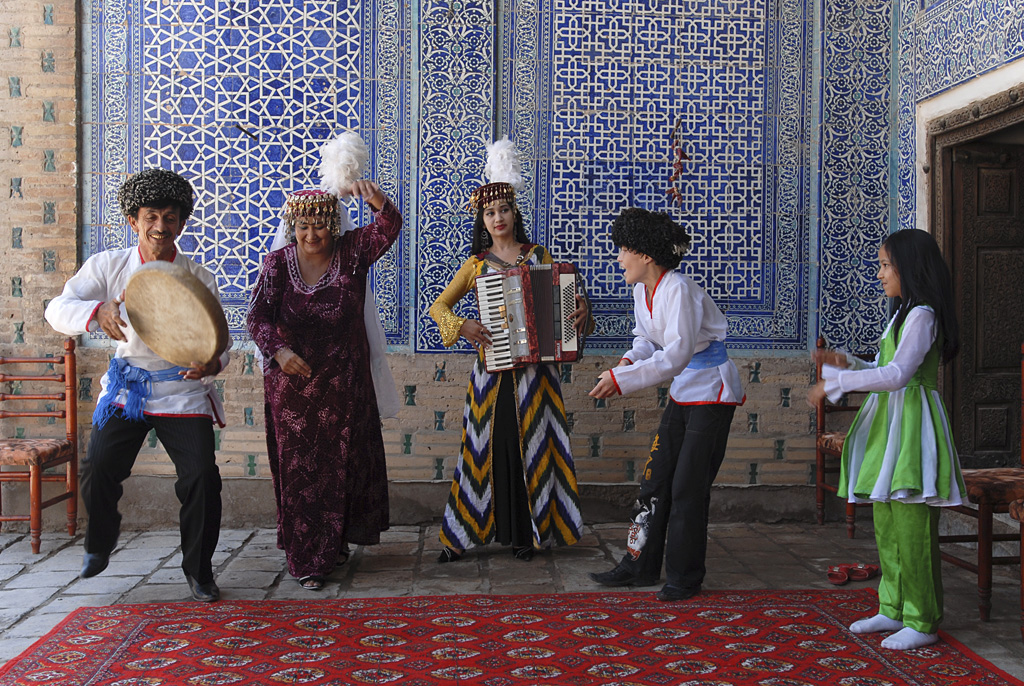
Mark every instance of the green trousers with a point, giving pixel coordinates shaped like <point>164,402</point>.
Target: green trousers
<point>908,548</point>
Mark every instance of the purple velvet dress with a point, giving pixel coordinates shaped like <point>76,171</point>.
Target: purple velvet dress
<point>323,433</point>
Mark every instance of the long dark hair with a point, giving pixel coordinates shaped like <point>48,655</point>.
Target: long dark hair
<point>924,280</point>
<point>482,240</point>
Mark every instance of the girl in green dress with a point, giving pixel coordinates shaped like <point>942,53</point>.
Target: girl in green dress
<point>899,454</point>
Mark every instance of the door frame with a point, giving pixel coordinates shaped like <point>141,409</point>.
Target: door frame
<point>965,125</point>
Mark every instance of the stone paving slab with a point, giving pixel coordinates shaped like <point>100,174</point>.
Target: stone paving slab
<point>12,647</point>
<point>35,580</point>
<point>148,553</point>
<point>246,579</point>
<point>34,626</point>
<point>154,541</point>
<point>27,598</point>
<point>158,593</point>
<point>9,571</point>
<point>121,567</point>
<point>67,603</point>
<point>168,574</point>
<point>104,583</point>
<point>262,563</point>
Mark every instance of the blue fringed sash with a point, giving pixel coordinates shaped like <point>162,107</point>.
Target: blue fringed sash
<point>138,385</point>
<point>712,356</point>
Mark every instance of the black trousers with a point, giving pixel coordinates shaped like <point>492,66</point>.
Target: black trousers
<point>109,460</point>
<point>513,523</point>
<point>685,457</point>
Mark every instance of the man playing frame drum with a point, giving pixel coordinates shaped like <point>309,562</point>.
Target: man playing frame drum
<point>143,391</point>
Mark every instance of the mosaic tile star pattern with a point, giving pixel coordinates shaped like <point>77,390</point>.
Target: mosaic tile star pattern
<point>238,97</point>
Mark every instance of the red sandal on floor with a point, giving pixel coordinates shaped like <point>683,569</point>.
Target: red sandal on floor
<point>862,572</point>
<point>837,575</point>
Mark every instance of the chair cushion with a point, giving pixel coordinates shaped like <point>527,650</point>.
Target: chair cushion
<point>999,486</point>
<point>1017,510</point>
<point>832,441</point>
<point>33,451</point>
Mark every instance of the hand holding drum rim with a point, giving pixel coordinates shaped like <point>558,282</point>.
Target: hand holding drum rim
<point>108,316</point>
<point>476,333</point>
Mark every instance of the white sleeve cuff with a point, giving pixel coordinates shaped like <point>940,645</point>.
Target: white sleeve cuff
<point>830,375</point>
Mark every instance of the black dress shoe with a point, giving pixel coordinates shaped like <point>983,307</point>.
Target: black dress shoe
<point>620,576</point>
<point>204,593</point>
<point>670,593</point>
<point>524,553</point>
<point>448,555</point>
<point>93,564</point>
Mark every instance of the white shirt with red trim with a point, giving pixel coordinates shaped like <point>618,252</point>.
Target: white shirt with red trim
<point>104,277</point>
<point>682,321</point>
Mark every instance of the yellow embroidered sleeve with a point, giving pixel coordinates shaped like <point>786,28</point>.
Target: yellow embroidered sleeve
<point>441,311</point>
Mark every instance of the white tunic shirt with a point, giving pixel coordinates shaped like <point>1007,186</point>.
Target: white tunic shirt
<point>104,277</point>
<point>682,320</point>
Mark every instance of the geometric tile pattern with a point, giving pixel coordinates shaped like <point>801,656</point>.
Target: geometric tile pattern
<point>238,96</point>
<point>590,92</point>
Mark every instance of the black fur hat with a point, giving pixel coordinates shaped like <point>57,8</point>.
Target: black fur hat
<point>652,233</point>
<point>155,188</point>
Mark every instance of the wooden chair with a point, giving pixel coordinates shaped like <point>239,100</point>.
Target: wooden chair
<point>992,491</point>
<point>42,454</point>
<point>1017,513</point>
<point>828,449</point>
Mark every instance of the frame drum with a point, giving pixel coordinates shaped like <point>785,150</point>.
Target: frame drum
<point>175,314</point>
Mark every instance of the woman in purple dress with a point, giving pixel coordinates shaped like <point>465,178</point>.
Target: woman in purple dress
<point>324,439</point>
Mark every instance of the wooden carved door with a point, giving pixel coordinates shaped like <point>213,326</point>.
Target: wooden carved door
<point>987,259</point>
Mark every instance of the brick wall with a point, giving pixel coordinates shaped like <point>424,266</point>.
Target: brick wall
<point>771,440</point>
<point>38,159</point>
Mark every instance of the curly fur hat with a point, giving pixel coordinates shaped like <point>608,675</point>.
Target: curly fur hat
<point>155,188</point>
<point>652,233</point>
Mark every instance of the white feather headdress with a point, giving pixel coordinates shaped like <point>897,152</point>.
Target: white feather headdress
<point>503,164</point>
<point>504,173</point>
<point>342,161</point>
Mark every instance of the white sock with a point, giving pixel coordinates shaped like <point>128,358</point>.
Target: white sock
<point>908,639</point>
<point>877,623</point>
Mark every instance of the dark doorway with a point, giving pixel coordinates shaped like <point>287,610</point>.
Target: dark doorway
<point>985,248</point>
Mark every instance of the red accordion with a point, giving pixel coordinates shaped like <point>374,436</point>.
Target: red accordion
<point>528,310</point>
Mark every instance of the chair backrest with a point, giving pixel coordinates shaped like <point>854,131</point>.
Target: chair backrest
<point>66,377</point>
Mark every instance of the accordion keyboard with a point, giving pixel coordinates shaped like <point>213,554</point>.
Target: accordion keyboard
<point>498,355</point>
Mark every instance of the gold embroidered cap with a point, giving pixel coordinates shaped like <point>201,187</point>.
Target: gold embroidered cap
<point>489,192</point>
<point>311,203</point>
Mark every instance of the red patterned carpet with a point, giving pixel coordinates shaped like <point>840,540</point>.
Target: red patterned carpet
<point>787,638</point>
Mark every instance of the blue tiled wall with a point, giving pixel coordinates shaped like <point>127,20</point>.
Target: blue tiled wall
<point>238,96</point>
